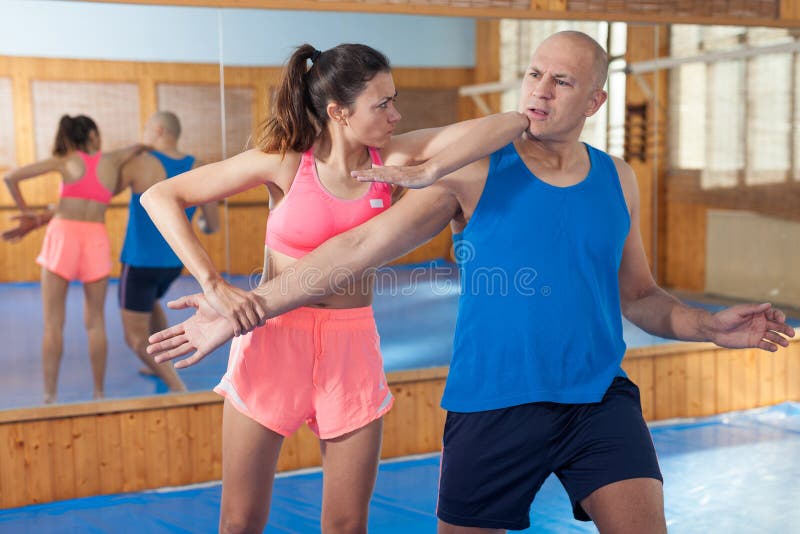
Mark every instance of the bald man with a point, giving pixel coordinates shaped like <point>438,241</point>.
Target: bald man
<point>546,234</point>
<point>149,265</point>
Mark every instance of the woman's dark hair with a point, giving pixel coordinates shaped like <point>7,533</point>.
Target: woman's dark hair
<point>300,107</point>
<point>73,134</point>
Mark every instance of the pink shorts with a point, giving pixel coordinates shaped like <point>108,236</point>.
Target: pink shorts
<point>76,250</point>
<point>319,366</point>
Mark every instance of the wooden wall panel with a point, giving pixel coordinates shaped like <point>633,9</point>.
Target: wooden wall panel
<point>647,43</point>
<point>157,445</point>
<point>8,155</point>
<point>684,247</point>
<point>85,452</point>
<point>708,377</point>
<point>198,107</point>
<point>426,108</point>
<point>742,12</point>
<point>64,471</point>
<point>12,474</point>
<point>487,58</point>
<point>248,225</point>
<point>790,10</point>
<point>69,451</point>
<point>179,452</point>
<point>724,383</point>
<point>132,434</point>
<point>39,452</point>
<point>792,371</point>
<point>110,453</point>
<point>17,260</point>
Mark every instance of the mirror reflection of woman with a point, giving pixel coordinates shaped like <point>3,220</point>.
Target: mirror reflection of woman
<point>76,244</point>
<point>319,365</point>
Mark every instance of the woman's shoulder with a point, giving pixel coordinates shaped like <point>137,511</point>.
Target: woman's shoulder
<point>271,167</point>
<point>71,165</point>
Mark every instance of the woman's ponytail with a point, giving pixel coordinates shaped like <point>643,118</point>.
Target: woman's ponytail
<point>292,125</point>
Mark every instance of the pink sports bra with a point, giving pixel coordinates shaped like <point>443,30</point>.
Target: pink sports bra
<point>88,186</point>
<point>309,215</point>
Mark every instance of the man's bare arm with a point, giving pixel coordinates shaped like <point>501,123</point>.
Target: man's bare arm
<point>417,217</point>
<point>208,219</point>
<point>128,173</point>
<point>655,311</point>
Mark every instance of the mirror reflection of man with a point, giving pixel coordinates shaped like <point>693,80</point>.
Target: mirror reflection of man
<point>149,266</point>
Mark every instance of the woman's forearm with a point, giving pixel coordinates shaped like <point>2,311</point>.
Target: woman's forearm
<point>167,213</point>
<point>484,137</point>
<point>16,194</point>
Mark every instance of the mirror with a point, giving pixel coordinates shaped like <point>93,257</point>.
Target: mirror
<point>147,58</point>
<point>118,64</point>
<point>217,70</point>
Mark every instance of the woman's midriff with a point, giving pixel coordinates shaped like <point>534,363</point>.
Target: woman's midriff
<point>355,295</point>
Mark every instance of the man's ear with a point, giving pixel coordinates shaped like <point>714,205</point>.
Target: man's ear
<point>596,101</point>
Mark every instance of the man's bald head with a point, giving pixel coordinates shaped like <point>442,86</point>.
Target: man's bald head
<point>599,55</point>
<point>169,122</point>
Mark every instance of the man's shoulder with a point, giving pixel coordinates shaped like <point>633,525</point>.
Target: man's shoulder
<point>143,171</point>
<point>475,172</point>
<point>144,158</point>
<point>624,170</point>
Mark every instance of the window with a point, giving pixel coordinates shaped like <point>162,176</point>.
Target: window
<point>733,119</point>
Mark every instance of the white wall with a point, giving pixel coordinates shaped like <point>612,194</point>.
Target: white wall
<point>65,29</point>
<point>753,257</point>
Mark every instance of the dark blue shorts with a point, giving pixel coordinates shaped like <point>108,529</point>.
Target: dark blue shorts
<point>494,462</point>
<point>141,287</point>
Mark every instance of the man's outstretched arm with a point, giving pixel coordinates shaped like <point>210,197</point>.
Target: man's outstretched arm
<point>415,219</point>
<point>657,312</point>
<point>341,260</point>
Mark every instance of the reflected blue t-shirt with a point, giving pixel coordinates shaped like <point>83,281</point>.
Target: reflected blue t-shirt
<point>144,246</point>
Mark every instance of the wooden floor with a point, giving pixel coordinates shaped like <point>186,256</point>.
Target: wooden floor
<point>68,451</point>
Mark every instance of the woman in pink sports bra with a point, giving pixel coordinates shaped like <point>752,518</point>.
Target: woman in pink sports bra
<point>76,245</point>
<point>319,365</point>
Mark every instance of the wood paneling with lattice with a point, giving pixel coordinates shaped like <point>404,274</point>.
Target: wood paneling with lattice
<point>114,107</point>
<point>200,112</point>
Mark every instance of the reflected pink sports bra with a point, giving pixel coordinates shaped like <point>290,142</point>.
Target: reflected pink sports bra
<point>88,187</point>
<point>309,215</point>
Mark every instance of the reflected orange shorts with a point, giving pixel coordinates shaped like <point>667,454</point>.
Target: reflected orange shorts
<point>76,250</point>
<point>318,366</point>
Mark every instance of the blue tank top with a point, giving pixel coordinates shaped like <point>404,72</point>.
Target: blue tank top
<point>144,246</point>
<point>539,315</point>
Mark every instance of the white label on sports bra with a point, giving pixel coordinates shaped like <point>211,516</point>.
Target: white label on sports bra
<point>376,202</point>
